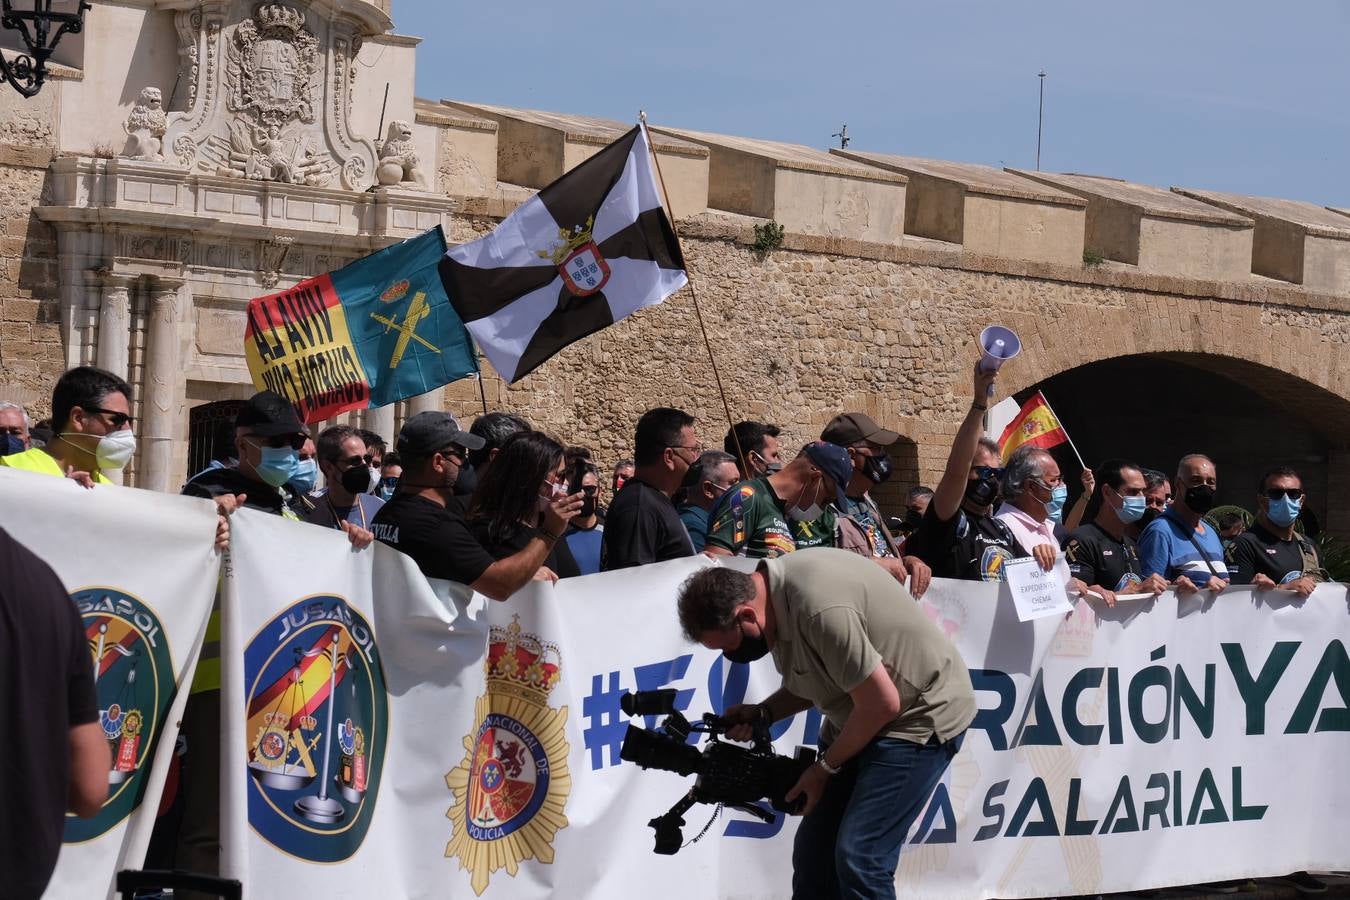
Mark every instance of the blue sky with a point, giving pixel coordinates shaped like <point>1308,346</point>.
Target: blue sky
<point>1238,96</point>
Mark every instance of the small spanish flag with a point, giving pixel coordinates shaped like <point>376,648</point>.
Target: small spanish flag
<point>1036,425</point>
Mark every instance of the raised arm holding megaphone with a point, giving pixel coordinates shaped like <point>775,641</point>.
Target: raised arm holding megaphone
<point>959,536</point>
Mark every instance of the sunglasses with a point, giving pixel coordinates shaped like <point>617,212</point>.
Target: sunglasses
<point>351,461</point>
<point>455,451</point>
<point>277,441</point>
<point>1280,493</point>
<point>590,490</point>
<point>988,472</point>
<point>118,419</point>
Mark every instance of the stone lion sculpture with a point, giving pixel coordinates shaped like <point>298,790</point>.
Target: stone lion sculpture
<point>398,157</point>
<point>145,126</point>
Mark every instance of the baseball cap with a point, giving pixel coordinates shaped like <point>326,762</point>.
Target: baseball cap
<point>431,432</point>
<point>268,414</point>
<point>833,461</point>
<point>850,428</point>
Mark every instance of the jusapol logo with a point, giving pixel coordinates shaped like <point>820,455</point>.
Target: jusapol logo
<point>318,714</point>
<point>134,681</point>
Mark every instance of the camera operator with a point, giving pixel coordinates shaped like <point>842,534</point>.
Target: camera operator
<point>894,692</point>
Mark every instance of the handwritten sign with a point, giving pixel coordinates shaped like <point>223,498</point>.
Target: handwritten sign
<point>1037,593</point>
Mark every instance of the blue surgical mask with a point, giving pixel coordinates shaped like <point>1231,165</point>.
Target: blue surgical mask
<point>1055,508</point>
<point>388,485</point>
<point>278,465</point>
<point>1131,509</point>
<point>11,444</point>
<point>306,476</point>
<point>1284,511</point>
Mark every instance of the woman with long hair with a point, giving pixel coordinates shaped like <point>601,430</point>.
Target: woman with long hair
<point>505,510</point>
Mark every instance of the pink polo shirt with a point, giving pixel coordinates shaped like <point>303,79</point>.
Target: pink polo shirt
<point>1028,531</point>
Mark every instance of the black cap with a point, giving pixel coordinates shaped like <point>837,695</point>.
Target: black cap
<point>268,414</point>
<point>433,431</point>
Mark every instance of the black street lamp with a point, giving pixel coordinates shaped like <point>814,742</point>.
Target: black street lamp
<point>41,30</point>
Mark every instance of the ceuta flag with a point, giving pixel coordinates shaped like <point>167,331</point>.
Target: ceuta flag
<point>1036,426</point>
<point>589,249</point>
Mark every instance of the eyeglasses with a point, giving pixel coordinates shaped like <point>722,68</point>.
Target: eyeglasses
<point>988,472</point>
<point>590,490</point>
<point>277,441</point>
<point>1294,494</point>
<point>697,450</point>
<point>119,419</point>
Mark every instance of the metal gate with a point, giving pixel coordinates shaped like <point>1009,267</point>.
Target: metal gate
<point>211,433</point>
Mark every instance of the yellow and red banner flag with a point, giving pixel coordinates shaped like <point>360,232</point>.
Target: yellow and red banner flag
<point>374,332</point>
<point>1036,425</point>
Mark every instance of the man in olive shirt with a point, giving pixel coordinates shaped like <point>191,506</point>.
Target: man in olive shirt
<point>894,691</point>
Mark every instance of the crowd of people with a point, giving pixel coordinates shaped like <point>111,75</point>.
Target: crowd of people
<point>502,503</point>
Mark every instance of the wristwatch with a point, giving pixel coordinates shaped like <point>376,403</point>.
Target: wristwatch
<point>829,769</point>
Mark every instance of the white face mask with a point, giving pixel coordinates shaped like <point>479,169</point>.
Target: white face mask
<point>115,449</point>
<point>808,513</point>
<point>374,480</point>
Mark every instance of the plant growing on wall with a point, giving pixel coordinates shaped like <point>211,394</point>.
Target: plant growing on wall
<point>768,236</point>
<point>1092,259</point>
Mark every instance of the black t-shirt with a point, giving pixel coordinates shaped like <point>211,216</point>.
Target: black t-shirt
<point>46,688</point>
<point>1257,551</point>
<point>968,547</point>
<point>436,537</point>
<point>642,527</point>
<point>1097,558</point>
<point>559,559</point>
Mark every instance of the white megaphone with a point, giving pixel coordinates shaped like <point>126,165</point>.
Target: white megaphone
<point>997,346</point>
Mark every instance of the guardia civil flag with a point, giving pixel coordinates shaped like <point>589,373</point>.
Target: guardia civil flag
<point>374,332</point>
<point>1036,426</point>
<point>586,251</point>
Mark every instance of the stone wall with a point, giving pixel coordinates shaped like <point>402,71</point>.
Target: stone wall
<point>31,353</point>
<point>802,334</point>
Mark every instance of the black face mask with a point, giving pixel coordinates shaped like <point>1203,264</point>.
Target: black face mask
<point>1149,515</point>
<point>982,491</point>
<point>1200,498</point>
<point>751,649</point>
<point>913,519</point>
<point>587,507</point>
<point>356,480</point>
<point>877,468</point>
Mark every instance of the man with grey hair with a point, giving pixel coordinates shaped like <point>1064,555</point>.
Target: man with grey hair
<point>1033,490</point>
<point>1179,545</point>
<point>707,479</point>
<point>14,428</point>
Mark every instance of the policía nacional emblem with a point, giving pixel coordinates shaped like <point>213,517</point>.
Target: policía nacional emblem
<point>134,683</point>
<point>318,715</point>
<point>578,259</point>
<point>513,783</point>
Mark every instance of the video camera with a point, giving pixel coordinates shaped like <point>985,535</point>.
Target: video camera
<point>728,774</point>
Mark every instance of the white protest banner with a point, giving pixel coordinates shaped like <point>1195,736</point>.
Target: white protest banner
<point>141,568</point>
<point>1037,592</point>
<point>1116,749</point>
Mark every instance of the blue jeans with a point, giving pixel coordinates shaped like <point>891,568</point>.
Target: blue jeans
<point>849,845</point>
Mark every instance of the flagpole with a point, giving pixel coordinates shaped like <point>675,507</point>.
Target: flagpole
<point>1063,429</point>
<point>482,393</point>
<point>693,292</point>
